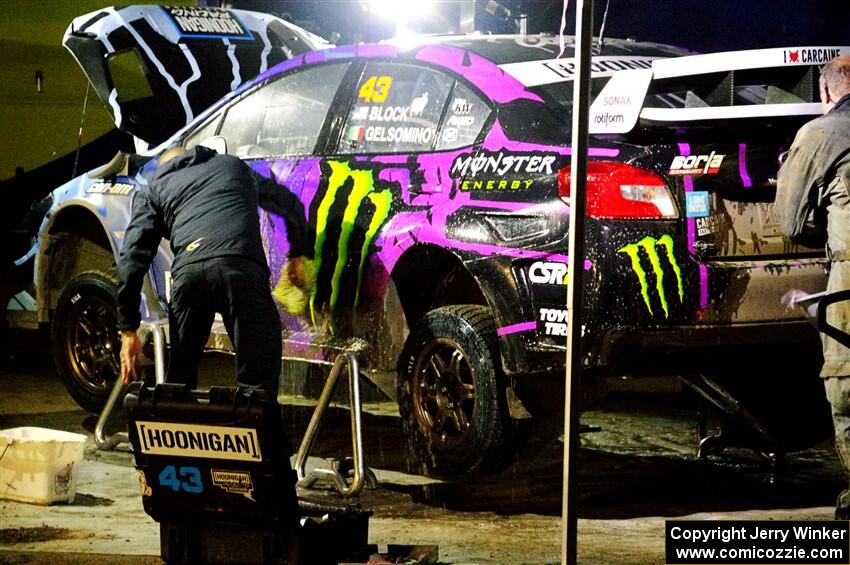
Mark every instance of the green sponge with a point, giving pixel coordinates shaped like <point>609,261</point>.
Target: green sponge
<point>295,299</point>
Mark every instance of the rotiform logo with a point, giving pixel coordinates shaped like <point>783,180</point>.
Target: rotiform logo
<point>209,442</point>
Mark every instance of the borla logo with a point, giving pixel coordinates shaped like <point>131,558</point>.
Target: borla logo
<point>696,164</point>
<point>650,246</point>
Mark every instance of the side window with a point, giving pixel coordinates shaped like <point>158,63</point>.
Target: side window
<point>203,133</point>
<point>465,117</point>
<point>283,117</point>
<point>397,109</point>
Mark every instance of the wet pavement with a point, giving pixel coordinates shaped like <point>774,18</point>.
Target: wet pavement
<point>636,469</point>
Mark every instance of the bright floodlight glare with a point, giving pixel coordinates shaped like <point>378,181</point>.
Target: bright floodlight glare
<point>403,10</point>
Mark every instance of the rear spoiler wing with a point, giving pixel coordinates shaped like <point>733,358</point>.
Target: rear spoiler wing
<point>700,89</point>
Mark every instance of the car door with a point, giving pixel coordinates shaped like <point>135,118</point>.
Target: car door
<point>277,129</point>
<point>387,182</point>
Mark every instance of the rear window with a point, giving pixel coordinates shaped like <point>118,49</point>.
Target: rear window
<point>524,120</point>
<point>397,109</point>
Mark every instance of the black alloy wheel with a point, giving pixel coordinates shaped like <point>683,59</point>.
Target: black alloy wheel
<point>85,338</point>
<point>443,393</point>
<point>451,395</point>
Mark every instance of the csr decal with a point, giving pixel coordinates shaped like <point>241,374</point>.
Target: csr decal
<point>187,440</point>
<point>547,272</point>
<point>648,248</point>
<point>555,321</point>
<point>348,216</point>
<point>804,56</point>
<point>500,163</point>
<point>236,482</point>
<point>696,164</point>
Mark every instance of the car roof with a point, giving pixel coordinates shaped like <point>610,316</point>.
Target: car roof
<point>506,49</point>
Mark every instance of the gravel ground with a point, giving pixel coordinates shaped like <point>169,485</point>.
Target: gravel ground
<point>636,470</point>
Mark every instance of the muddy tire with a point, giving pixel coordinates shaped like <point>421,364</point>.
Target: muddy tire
<point>85,338</point>
<point>451,393</point>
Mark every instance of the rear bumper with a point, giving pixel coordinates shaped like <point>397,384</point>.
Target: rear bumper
<point>675,350</point>
<point>685,348</point>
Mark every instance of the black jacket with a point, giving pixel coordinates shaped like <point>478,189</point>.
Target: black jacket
<point>206,205</point>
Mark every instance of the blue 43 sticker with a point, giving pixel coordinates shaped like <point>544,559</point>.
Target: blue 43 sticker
<point>186,479</point>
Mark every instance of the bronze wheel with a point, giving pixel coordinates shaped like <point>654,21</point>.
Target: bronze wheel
<point>85,338</point>
<point>451,393</point>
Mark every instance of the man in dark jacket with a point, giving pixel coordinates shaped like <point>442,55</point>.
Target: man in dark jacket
<point>206,205</point>
<point>813,205</point>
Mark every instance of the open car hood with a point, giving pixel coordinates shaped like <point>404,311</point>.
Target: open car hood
<point>157,67</point>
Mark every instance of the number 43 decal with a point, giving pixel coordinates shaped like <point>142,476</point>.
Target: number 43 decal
<point>376,89</point>
<point>187,479</point>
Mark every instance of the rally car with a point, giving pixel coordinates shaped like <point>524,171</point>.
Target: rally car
<point>436,174</point>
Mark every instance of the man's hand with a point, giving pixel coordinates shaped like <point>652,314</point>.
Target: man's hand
<point>790,298</point>
<point>295,271</point>
<point>131,349</point>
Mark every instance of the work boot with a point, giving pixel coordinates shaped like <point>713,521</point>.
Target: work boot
<point>842,505</point>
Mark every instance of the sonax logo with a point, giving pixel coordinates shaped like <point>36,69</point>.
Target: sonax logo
<point>648,248</point>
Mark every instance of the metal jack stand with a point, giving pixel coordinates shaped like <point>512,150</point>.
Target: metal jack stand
<point>714,394</point>
<point>156,329</point>
<point>363,476</point>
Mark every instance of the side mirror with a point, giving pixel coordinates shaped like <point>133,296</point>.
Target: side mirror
<point>216,143</point>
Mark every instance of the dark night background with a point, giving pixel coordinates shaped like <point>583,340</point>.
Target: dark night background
<point>699,25</point>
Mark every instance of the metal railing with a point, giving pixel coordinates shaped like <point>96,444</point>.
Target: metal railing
<point>362,476</point>
<point>157,329</point>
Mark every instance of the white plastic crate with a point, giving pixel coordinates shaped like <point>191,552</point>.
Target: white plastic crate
<point>39,465</point>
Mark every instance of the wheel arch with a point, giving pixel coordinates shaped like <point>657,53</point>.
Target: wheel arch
<point>76,239</point>
<point>427,277</point>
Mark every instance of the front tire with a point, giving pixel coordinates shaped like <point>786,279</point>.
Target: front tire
<point>451,393</point>
<point>85,338</point>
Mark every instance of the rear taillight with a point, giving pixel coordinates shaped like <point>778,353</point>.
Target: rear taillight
<point>618,190</point>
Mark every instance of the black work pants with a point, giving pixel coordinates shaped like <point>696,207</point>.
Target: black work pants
<point>238,289</point>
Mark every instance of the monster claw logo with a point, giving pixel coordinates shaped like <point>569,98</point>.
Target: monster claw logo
<point>650,246</point>
<point>351,196</point>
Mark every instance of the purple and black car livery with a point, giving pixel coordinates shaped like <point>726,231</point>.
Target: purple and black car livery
<point>435,175</point>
